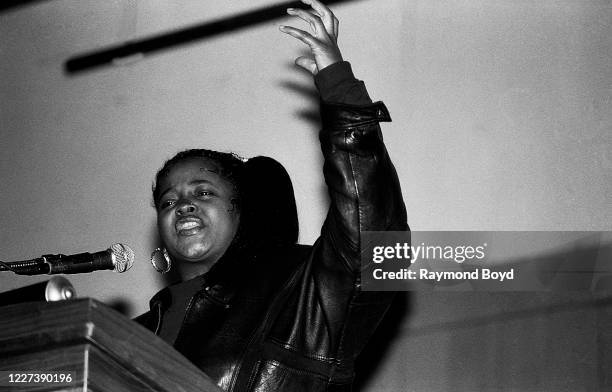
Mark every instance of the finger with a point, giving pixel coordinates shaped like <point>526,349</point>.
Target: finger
<point>315,22</point>
<point>299,34</point>
<point>326,15</point>
<point>319,7</point>
<point>307,63</point>
<point>334,35</point>
<point>336,28</point>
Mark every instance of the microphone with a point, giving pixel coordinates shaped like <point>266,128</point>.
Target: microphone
<point>119,258</point>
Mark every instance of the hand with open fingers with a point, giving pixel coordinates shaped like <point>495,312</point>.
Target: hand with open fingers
<point>322,38</point>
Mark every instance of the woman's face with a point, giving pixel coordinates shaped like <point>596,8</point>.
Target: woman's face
<point>196,218</point>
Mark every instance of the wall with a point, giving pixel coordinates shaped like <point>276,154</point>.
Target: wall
<point>501,116</point>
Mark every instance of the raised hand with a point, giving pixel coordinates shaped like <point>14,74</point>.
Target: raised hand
<point>322,39</point>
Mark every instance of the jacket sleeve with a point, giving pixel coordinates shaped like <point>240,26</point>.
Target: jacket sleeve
<point>365,196</point>
<point>362,182</point>
<point>333,318</point>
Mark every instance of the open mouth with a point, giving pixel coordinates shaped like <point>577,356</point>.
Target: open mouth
<point>188,226</point>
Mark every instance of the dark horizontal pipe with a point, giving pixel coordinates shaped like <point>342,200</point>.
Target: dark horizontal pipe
<point>8,4</point>
<point>148,45</point>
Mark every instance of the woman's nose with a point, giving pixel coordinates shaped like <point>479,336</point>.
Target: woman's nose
<point>185,207</point>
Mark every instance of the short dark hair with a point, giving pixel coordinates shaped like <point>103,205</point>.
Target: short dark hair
<point>230,168</point>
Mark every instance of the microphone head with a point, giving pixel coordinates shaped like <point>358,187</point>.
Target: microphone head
<point>122,256</point>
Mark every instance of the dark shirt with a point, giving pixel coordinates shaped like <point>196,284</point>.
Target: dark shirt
<point>337,84</point>
<point>181,294</point>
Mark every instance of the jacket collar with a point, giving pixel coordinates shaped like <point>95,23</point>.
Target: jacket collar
<point>221,282</point>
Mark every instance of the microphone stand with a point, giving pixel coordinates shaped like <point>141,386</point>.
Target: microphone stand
<point>27,267</point>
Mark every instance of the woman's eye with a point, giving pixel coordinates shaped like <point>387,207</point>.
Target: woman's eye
<point>166,204</point>
<point>203,193</point>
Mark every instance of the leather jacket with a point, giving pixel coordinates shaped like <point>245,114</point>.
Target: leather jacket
<point>292,317</point>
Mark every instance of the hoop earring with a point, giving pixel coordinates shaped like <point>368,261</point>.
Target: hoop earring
<point>160,259</point>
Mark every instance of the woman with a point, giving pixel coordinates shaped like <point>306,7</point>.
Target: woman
<point>255,311</point>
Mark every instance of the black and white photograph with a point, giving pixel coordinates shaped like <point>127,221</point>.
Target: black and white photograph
<point>310,195</point>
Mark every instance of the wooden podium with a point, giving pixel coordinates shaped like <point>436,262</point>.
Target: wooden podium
<point>101,349</point>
